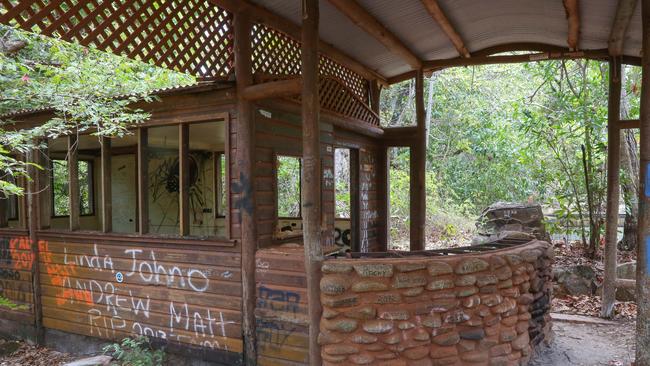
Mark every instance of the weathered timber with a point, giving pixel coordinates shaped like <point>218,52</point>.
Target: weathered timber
<point>143,180</point>
<point>418,166</point>
<point>624,12</point>
<point>105,182</point>
<point>439,16</point>
<point>613,186</point>
<point>74,206</point>
<point>572,10</point>
<point>184,178</point>
<point>273,89</point>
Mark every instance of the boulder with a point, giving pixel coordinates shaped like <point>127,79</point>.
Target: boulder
<point>626,271</point>
<point>502,220</point>
<point>574,280</point>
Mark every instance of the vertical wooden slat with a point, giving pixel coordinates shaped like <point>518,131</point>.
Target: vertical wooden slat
<point>33,210</point>
<point>418,165</point>
<point>355,203</point>
<point>643,246</point>
<point>107,202</point>
<point>184,178</point>
<point>383,192</point>
<point>311,172</point>
<point>143,181</point>
<point>245,163</point>
<point>74,207</point>
<point>613,185</point>
<point>4,204</point>
<point>227,152</point>
<point>45,196</point>
<point>216,183</point>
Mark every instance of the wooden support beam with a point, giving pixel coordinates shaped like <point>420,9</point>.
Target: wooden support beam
<point>105,182</point>
<point>74,195</point>
<point>418,167</point>
<point>33,190</point>
<point>260,14</point>
<point>613,186</point>
<point>629,124</point>
<point>273,89</point>
<point>143,180</point>
<point>184,178</point>
<point>439,16</point>
<point>246,196</point>
<point>572,10</point>
<point>4,204</point>
<point>311,172</point>
<point>364,20</point>
<point>643,230</point>
<point>624,12</point>
<point>375,95</point>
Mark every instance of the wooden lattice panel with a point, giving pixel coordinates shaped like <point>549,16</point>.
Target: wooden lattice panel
<point>337,97</point>
<point>192,36</point>
<point>276,56</point>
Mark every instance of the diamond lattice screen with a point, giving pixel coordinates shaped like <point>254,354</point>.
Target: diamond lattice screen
<point>276,55</point>
<point>192,36</point>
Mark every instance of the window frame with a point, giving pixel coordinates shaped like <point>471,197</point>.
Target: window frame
<point>276,185</point>
<point>91,188</point>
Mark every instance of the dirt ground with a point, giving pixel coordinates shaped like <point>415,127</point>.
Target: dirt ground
<point>589,345</point>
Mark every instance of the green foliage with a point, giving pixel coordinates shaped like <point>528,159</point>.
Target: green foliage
<point>6,303</point>
<point>78,84</point>
<point>135,352</point>
<point>288,186</point>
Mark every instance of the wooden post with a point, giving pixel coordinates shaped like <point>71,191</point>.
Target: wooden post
<point>613,186</point>
<point>143,180</point>
<point>4,204</point>
<point>32,193</point>
<point>107,203</point>
<point>74,206</point>
<point>184,178</point>
<point>245,163</point>
<point>311,172</point>
<point>418,166</point>
<point>643,243</point>
<point>383,191</point>
<point>45,193</point>
<point>355,199</point>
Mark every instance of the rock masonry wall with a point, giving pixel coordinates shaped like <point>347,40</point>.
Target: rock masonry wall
<point>488,308</point>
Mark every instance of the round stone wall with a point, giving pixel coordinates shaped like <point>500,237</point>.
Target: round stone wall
<point>488,308</point>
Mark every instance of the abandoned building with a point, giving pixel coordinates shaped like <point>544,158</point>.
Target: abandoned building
<point>175,232</point>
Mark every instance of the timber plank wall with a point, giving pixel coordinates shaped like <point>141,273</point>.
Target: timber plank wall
<point>16,286</point>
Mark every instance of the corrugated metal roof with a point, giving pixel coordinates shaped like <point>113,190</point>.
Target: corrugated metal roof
<point>481,24</point>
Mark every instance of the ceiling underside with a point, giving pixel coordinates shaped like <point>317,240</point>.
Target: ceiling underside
<point>481,24</point>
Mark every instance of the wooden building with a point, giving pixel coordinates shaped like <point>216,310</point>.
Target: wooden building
<point>176,232</point>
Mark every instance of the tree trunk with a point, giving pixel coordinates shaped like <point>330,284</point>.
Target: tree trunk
<point>630,166</point>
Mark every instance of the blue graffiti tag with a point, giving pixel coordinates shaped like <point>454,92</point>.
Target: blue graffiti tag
<point>647,180</point>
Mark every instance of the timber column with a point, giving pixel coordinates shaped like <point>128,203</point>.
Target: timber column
<point>246,200</point>
<point>311,172</point>
<point>643,244</point>
<point>418,167</point>
<point>613,185</point>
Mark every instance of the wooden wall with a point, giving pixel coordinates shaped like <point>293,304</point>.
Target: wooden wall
<point>16,290</point>
<point>112,288</point>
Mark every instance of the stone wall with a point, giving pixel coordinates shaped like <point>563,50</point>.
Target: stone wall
<point>488,308</point>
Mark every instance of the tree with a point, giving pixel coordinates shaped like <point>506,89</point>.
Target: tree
<point>87,91</point>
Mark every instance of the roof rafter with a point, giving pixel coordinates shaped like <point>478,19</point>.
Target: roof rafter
<point>439,16</point>
<point>372,26</point>
<point>624,12</point>
<point>572,10</point>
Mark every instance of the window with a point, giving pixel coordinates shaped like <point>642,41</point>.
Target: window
<point>60,188</point>
<point>288,186</point>
<point>342,183</point>
<point>10,202</point>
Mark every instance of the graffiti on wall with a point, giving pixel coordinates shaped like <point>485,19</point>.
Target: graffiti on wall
<point>16,257</point>
<point>132,294</point>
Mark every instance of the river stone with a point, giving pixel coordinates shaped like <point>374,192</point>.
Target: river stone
<point>363,313</point>
<point>472,334</point>
<point>439,268</point>
<point>472,301</point>
<point>378,326</point>
<point>415,291</point>
<point>374,270</point>
<point>329,313</point>
<point>334,285</point>
<point>514,259</point>
<point>531,255</point>
<point>362,359</point>
<point>497,261</point>
<point>491,299</point>
<point>447,339</point>
<point>416,353</point>
<point>369,286</point>
<point>472,265</point>
<point>431,321</point>
<point>340,325</point>
<point>410,267</point>
<point>333,267</point>
<point>334,359</point>
<point>485,280</point>
<point>405,325</point>
<point>394,315</point>
<point>440,284</point>
<point>503,273</point>
<point>388,298</point>
<point>421,335</point>
<point>407,280</point>
<point>340,349</point>
<point>466,291</point>
<point>456,316</point>
<point>363,339</point>
<point>466,280</point>
<point>343,301</point>
<point>328,338</point>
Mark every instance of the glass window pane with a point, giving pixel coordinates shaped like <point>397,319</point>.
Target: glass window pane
<point>288,185</point>
<point>163,171</point>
